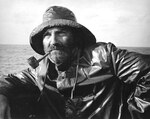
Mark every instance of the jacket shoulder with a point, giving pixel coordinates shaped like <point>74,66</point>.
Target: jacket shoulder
<point>102,46</point>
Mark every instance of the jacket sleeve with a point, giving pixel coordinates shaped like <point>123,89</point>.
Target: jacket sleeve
<point>134,68</point>
<point>17,83</point>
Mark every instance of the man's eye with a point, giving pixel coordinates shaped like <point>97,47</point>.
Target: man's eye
<point>62,32</point>
<point>46,37</point>
<point>46,34</point>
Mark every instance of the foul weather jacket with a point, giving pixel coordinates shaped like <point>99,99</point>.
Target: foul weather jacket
<point>104,83</point>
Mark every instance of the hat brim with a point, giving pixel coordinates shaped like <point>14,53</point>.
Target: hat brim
<point>36,37</point>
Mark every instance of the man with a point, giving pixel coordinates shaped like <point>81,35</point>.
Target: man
<point>79,79</point>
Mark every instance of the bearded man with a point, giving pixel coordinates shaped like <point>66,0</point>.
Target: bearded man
<point>78,78</point>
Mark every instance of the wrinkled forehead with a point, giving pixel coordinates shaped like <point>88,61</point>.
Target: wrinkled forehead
<point>73,32</point>
<point>61,28</point>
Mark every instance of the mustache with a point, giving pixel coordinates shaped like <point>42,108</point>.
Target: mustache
<point>56,47</point>
<point>59,47</point>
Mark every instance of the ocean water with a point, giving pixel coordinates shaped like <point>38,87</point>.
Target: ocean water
<point>13,58</point>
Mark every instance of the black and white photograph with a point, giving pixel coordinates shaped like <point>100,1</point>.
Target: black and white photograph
<point>74,59</point>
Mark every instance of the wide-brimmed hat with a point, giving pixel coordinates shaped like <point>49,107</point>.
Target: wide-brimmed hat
<point>56,16</point>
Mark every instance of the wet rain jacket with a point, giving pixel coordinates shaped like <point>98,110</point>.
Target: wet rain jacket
<point>108,83</point>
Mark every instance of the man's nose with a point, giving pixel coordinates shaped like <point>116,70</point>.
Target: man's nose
<point>54,39</point>
<point>54,44</point>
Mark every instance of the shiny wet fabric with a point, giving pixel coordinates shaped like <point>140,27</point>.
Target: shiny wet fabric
<point>112,83</point>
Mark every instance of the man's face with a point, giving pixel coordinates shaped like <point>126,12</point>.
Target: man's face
<point>60,42</point>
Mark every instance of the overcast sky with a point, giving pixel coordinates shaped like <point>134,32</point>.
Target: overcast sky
<point>123,22</point>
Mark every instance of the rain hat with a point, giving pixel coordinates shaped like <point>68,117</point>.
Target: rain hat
<point>57,16</point>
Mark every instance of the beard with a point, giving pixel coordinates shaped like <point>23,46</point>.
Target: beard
<point>59,57</point>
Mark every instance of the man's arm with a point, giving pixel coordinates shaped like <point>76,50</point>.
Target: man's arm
<point>129,66</point>
<point>4,108</point>
<point>134,70</point>
<point>14,86</point>
<point>11,83</point>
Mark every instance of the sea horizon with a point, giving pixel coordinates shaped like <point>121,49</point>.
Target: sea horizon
<point>13,57</point>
